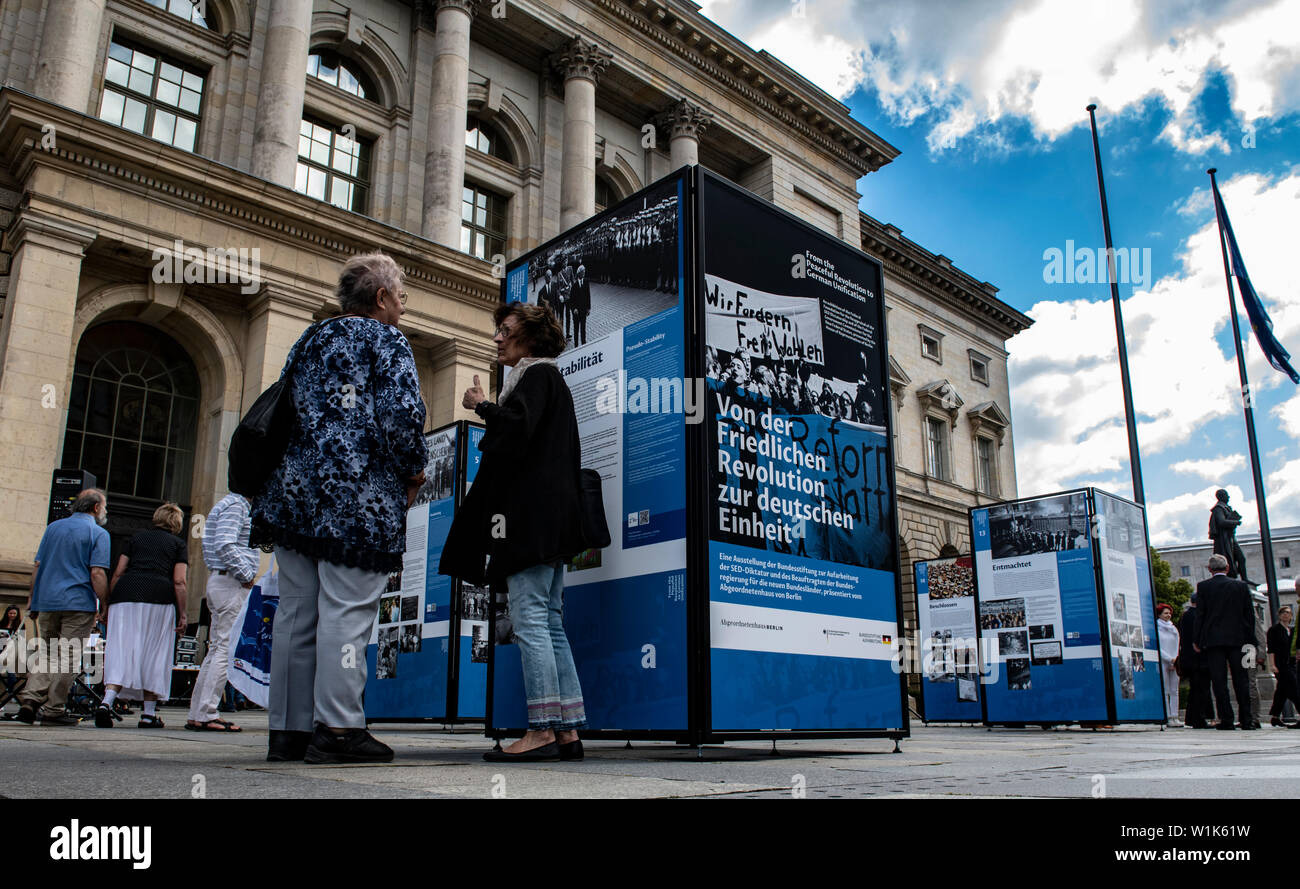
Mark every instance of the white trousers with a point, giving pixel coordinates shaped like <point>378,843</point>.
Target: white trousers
<point>1171,691</point>
<point>225,599</point>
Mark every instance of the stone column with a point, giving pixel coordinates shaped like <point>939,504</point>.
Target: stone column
<point>276,318</point>
<point>684,122</point>
<point>454,365</point>
<point>444,163</point>
<point>279,97</point>
<point>35,357</point>
<point>70,40</point>
<point>580,63</point>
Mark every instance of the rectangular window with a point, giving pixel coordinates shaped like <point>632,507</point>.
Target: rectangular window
<point>1187,571</point>
<point>936,448</point>
<point>1286,561</point>
<point>483,223</point>
<point>979,368</point>
<point>930,347</point>
<point>152,94</point>
<point>333,167</point>
<point>986,468</point>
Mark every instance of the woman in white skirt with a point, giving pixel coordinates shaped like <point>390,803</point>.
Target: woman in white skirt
<point>145,613</point>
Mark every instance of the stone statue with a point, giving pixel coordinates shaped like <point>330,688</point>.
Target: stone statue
<point>1223,531</point>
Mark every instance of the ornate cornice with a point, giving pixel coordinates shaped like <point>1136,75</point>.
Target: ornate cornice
<point>580,59</point>
<point>427,10</point>
<point>684,118</point>
<point>762,80</point>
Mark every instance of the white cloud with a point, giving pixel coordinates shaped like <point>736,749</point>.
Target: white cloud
<point>975,64</point>
<point>1186,518</point>
<point>1213,468</point>
<point>1065,380</point>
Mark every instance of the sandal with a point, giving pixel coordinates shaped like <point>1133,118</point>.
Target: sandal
<point>149,721</point>
<point>212,725</point>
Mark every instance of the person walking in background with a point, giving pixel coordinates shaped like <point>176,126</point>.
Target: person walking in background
<point>1192,665</point>
<point>528,480</point>
<point>11,633</point>
<point>1167,639</point>
<point>1224,626</point>
<point>1282,663</point>
<point>69,586</point>
<point>335,511</point>
<point>145,613</point>
<point>232,566</point>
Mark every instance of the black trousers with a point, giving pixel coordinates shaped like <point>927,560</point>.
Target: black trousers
<point>1221,659</point>
<point>1287,689</point>
<point>1199,706</point>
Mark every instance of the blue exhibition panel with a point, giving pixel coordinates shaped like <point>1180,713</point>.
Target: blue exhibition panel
<point>948,640</point>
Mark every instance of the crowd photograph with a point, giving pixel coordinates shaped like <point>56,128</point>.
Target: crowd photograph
<point>1049,525</point>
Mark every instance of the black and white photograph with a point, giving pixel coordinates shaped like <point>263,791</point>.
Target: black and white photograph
<point>1000,614</point>
<point>440,470</point>
<point>473,602</point>
<point>950,579</point>
<point>1018,674</point>
<point>1127,687</point>
<point>1119,607</point>
<point>410,638</point>
<point>1013,643</point>
<point>940,663</point>
<point>611,274</point>
<point>1135,639</point>
<point>1049,525</point>
<point>1045,653</point>
<point>478,652</point>
<point>1122,526</point>
<point>394,582</point>
<point>386,653</point>
<point>1119,634</point>
<point>390,609</point>
<point>967,689</point>
<point>1139,661</point>
<point>1041,631</point>
<point>410,608</point>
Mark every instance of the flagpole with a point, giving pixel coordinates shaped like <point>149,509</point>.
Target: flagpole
<point>1134,458</point>
<point>1265,537</point>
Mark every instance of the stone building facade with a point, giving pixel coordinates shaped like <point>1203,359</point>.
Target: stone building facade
<point>1188,560</point>
<point>181,182</point>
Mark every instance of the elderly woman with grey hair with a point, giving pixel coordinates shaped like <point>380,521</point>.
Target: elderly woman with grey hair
<point>335,512</point>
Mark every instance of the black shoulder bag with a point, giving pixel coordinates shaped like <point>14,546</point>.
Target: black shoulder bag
<point>591,506</point>
<point>259,442</point>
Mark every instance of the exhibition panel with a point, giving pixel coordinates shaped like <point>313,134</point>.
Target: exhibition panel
<point>947,640</point>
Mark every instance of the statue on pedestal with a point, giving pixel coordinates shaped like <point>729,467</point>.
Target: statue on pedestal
<point>1223,531</point>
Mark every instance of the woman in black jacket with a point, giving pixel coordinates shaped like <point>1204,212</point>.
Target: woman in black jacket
<point>522,517</point>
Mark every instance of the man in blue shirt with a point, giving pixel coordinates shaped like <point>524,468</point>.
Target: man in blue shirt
<point>69,587</point>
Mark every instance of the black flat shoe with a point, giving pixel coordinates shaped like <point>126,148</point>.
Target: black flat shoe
<point>287,746</point>
<point>546,753</point>
<point>572,751</point>
<point>103,717</point>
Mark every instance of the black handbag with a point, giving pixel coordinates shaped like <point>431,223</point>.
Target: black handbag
<point>258,444</point>
<point>591,507</point>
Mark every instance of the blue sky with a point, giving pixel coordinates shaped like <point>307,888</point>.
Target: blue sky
<point>987,103</point>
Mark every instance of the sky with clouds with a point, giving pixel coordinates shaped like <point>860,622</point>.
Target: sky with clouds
<point>986,99</point>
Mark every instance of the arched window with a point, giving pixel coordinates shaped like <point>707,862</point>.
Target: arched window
<point>488,139</point>
<point>606,194</point>
<point>186,9</point>
<point>133,415</point>
<point>326,65</point>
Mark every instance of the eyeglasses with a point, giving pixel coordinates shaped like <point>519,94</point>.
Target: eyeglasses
<point>504,332</point>
<point>401,297</point>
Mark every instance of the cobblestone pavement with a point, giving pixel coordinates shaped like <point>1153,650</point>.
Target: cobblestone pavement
<point>936,762</point>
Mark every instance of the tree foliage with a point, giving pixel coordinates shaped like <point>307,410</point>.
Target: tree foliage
<point>1174,593</point>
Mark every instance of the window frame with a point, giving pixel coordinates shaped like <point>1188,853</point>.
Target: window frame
<point>152,103</point>
<point>366,151</point>
<point>365,81</point>
<point>977,358</point>
<point>489,236</point>
<point>938,457</point>
<point>993,486</point>
<point>929,333</point>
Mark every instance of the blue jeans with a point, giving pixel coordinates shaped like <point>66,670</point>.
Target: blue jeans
<point>550,678</point>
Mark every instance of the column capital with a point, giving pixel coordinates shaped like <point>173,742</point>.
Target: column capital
<point>580,59</point>
<point>429,9</point>
<point>50,231</point>
<point>684,118</point>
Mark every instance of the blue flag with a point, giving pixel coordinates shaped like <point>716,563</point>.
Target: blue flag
<point>1259,320</point>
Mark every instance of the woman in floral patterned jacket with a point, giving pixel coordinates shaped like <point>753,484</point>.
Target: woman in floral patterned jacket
<point>335,512</point>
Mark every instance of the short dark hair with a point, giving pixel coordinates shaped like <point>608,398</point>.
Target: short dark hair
<point>88,499</point>
<point>537,326</point>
